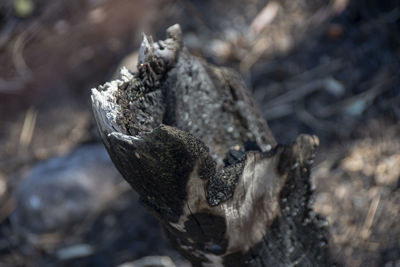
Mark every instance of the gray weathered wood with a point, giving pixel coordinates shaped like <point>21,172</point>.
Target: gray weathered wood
<point>190,140</point>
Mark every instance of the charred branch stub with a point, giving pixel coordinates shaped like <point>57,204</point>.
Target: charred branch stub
<point>190,140</point>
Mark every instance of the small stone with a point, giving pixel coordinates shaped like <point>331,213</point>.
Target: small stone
<point>62,191</point>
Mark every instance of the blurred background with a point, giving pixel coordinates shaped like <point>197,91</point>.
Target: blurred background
<point>329,68</point>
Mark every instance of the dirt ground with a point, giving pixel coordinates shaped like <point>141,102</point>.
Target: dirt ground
<point>329,68</point>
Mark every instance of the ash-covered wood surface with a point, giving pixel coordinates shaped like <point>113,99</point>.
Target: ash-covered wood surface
<point>189,138</point>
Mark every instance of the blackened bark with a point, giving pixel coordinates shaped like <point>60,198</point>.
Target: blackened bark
<point>190,140</point>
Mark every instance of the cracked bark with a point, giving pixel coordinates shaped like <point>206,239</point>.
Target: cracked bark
<point>189,138</point>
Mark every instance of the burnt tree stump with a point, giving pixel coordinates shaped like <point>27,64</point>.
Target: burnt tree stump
<point>189,138</point>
